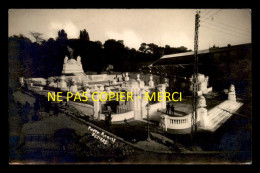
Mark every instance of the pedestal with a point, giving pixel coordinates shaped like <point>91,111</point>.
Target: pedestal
<point>74,88</point>
<point>203,116</point>
<point>232,96</point>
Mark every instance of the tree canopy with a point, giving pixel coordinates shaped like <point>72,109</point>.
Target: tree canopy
<point>44,58</point>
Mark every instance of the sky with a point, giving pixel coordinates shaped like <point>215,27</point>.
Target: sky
<point>173,27</point>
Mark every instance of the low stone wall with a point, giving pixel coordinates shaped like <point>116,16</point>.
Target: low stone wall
<point>177,122</point>
<point>122,116</point>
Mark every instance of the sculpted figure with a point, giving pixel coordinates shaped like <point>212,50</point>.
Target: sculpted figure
<point>66,60</point>
<point>70,51</point>
<point>79,60</point>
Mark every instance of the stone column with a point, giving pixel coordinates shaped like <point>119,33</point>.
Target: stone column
<point>88,91</point>
<point>96,106</point>
<point>202,112</point>
<point>143,104</point>
<point>101,88</point>
<point>114,81</point>
<point>63,84</point>
<point>138,77</point>
<point>151,83</point>
<point>104,97</point>
<point>74,87</point>
<point>232,93</point>
<point>96,88</point>
<point>136,104</point>
<point>163,122</point>
<point>21,81</point>
<point>126,77</point>
<point>203,87</point>
<point>161,88</point>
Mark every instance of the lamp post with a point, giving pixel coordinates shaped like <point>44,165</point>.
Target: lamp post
<point>148,107</point>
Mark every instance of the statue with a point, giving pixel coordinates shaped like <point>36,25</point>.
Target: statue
<point>232,93</point>
<point>66,60</point>
<point>70,51</point>
<point>232,88</point>
<point>201,102</point>
<point>79,60</point>
<point>151,83</point>
<point>72,65</point>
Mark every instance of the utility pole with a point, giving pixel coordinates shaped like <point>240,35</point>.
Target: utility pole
<point>195,82</point>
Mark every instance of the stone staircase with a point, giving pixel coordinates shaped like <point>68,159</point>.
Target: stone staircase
<point>220,114</point>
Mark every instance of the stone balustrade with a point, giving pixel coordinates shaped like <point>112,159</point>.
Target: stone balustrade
<point>176,122</point>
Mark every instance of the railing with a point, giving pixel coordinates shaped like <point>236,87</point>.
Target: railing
<point>177,122</point>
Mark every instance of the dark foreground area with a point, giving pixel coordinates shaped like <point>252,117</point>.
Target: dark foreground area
<point>66,140</point>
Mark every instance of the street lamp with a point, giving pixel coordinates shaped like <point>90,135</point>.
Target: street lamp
<point>148,107</point>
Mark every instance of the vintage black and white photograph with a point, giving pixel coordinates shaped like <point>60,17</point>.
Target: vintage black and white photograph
<point>130,86</point>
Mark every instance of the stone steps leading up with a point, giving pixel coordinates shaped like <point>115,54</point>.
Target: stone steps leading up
<point>221,113</point>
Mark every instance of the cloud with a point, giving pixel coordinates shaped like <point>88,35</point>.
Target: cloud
<point>130,38</point>
<point>70,28</point>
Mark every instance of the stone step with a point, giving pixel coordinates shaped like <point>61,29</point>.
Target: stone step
<point>221,117</point>
<point>226,105</point>
<point>214,113</point>
<point>219,114</point>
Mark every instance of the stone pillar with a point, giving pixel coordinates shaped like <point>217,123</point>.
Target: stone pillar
<point>103,97</point>
<point>161,88</point>
<point>163,122</point>
<point>138,77</point>
<point>126,77</point>
<point>232,93</point>
<point>143,104</point>
<point>63,84</point>
<point>96,106</point>
<point>21,81</point>
<point>114,81</point>
<point>101,88</point>
<point>74,87</point>
<point>203,87</point>
<point>151,83</point>
<point>88,91</point>
<point>96,88</point>
<point>202,112</point>
<point>136,105</point>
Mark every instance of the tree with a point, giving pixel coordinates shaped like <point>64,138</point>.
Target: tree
<point>84,86</point>
<point>37,36</point>
<point>143,47</point>
<point>99,43</point>
<point>70,82</point>
<point>83,35</point>
<point>56,80</point>
<point>62,35</point>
